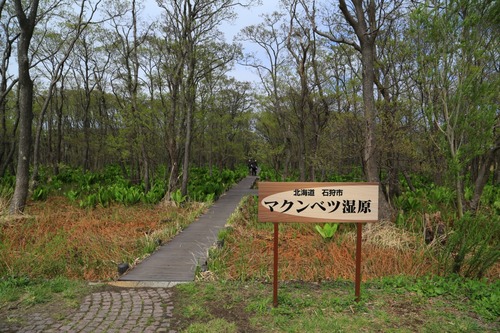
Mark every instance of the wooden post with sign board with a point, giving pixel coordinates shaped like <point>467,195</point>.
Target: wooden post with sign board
<point>312,202</point>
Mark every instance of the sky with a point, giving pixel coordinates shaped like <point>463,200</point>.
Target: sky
<point>246,17</point>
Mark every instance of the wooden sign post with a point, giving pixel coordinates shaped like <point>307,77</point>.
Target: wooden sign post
<point>312,202</point>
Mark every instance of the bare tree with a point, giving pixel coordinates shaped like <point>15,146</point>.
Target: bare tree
<point>299,45</point>
<point>270,36</point>
<point>126,83</point>
<point>311,105</point>
<point>58,57</point>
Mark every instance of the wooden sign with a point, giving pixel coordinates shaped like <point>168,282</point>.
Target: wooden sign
<point>318,202</point>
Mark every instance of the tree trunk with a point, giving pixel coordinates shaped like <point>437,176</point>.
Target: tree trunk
<point>27,25</point>
<point>483,175</point>
<point>190,109</point>
<point>366,31</point>
<point>59,133</point>
<point>369,153</point>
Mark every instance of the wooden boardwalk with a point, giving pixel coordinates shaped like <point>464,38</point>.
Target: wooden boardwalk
<point>176,261</point>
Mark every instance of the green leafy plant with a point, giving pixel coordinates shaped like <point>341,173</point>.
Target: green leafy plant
<point>40,193</point>
<point>441,195</point>
<point>89,201</point>
<point>328,230</point>
<point>6,191</point>
<point>485,297</point>
<point>103,197</point>
<point>155,194</point>
<point>210,197</point>
<point>118,193</point>
<point>177,197</point>
<point>133,196</point>
<point>72,195</point>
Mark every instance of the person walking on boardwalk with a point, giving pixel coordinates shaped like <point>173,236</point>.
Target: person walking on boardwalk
<point>253,167</point>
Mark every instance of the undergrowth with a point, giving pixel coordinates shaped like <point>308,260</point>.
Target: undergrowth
<point>304,255</point>
<point>54,238</point>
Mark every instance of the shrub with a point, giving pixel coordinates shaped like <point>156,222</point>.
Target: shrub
<point>473,245</point>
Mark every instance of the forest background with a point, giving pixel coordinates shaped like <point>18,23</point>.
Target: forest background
<point>404,93</point>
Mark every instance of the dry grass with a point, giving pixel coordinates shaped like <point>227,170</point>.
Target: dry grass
<point>57,238</point>
<point>304,255</point>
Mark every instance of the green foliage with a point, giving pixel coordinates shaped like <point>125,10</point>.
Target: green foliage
<point>328,230</point>
<point>440,196</point>
<point>212,326</point>
<point>208,184</point>
<point>89,189</point>
<point>89,201</point>
<point>66,174</point>
<point>355,175</point>
<point>484,297</point>
<point>473,246</point>
<point>425,199</point>
<point>11,288</point>
<point>177,197</point>
<point>491,197</point>
<point>40,193</point>
<point>155,194</point>
<point>104,197</point>
<point>6,191</point>
<point>7,181</point>
<point>269,175</point>
<point>132,196</point>
<point>210,197</point>
<point>330,306</point>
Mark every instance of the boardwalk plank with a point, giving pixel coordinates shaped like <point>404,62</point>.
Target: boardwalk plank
<point>176,261</point>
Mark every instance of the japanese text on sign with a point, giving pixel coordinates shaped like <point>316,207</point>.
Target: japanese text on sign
<point>318,202</point>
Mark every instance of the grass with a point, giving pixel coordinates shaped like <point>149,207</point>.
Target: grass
<point>400,292</point>
<point>48,255</point>
<point>246,306</point>
<point>22,292</point>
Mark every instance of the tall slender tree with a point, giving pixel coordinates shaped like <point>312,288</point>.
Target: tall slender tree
<point>366,18</point>
<point>26,14</point>
<point>274,123</point>
<point>459,79</point>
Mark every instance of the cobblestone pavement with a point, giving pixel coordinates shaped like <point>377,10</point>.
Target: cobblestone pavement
<point>121,310</point>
